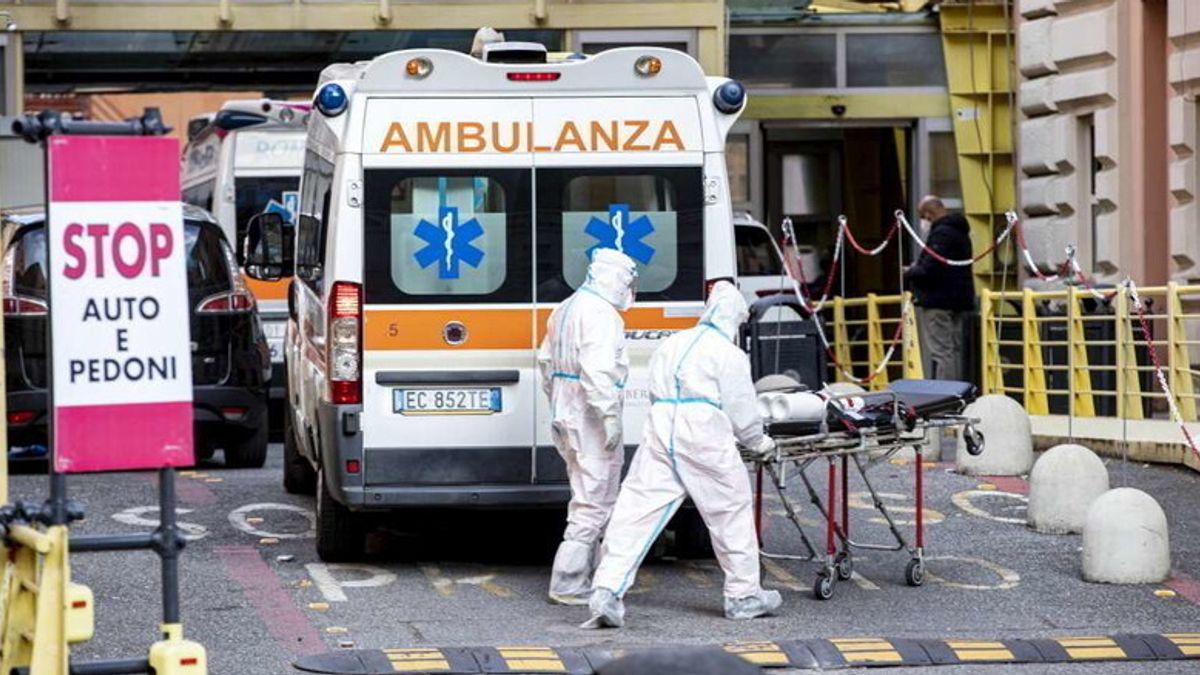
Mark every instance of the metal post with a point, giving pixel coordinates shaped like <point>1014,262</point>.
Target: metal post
<point>169,545</point>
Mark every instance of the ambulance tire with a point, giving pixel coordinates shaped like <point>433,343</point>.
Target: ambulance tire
<point>341,534</point>
<point>299,477</point>
<point>250,453</point>
<point>692,540</point>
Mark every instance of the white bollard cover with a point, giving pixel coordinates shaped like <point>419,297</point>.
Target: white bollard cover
<point>1008,440</point>
<point>1064,482</point>
<point>1125,539</point>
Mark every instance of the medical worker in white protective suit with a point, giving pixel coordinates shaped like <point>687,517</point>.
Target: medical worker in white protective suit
<point>704,407</point>
<point>583,366</point>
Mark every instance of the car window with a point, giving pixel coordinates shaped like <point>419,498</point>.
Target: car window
<point>265,194</point>
<point>25,264</point>
<point>755,254</point>
<point>207,263</point>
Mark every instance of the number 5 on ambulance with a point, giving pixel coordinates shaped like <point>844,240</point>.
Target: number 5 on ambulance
<point>448,203</point>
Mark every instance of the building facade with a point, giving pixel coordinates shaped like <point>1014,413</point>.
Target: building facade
<point>1109,134</point>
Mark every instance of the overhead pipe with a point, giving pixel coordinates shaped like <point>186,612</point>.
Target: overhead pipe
<point>384,15</point>
<point>62,12</point>
<point>540,14</point>
<point>225,13</point>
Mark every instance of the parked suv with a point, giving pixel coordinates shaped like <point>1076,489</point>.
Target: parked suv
<point>231,362</point>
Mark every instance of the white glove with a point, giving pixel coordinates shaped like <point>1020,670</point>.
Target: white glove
<point>612,433</point>
<point>765,447</point>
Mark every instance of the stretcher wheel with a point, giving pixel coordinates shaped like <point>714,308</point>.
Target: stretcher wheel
<point>823,587</point>
<point>974,440</point>
<point>845,566</point>
<point>914,574</point>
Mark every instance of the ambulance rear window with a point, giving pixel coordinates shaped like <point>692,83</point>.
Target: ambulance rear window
<point>652,214</point>
<point>447,235</point>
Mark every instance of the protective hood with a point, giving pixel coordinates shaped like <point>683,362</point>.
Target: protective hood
<point>726,309</point>
<point>612,275</point>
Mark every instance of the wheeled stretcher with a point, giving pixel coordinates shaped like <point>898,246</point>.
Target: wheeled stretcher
<point>863,430</point>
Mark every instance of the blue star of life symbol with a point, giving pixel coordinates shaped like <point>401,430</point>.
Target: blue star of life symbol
<point>621,233</point>
<point>274,206</point>
<point>448,243</point>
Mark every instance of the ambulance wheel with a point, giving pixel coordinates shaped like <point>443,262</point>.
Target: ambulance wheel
<point>299,478</point>
<point>823,587</point>
<point>250,453</point>
<point>341,536</point>
<point>914,574</point>
<point>845,566</point>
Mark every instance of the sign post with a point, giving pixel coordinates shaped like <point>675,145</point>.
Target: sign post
<point>121,384</point>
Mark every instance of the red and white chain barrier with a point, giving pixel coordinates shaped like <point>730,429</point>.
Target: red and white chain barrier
<point>966,262</point>
<point>1159,375</point>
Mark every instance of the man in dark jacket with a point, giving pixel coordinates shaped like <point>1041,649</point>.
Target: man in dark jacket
<point>945,294</point>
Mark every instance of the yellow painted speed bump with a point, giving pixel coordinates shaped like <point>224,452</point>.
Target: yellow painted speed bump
<point>532,659</point>
<point>979,650</point>
<point>1085,648</point>
<point>417,660</point>
<point>867,650</point>
<point>759,653</point>
<point>1187,643</point>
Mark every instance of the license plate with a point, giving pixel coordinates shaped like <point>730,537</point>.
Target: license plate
<point>480,401</point>
<point>275,332</point>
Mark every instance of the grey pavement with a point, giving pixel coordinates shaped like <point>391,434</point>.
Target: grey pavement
<point>257,597</point>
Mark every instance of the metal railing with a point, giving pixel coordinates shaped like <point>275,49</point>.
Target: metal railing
<point>1069,352</point>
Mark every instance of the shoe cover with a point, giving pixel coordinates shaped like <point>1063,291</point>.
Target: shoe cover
<point>571,577</point>
<point>761,603</point>
<point>607,610</point>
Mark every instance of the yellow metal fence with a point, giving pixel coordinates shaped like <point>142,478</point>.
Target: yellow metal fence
<point>1068,353</point>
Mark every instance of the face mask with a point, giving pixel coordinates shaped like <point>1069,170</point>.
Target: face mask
<point>925,225</point>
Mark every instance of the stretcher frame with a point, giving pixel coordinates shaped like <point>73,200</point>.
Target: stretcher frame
<point>865,448</point>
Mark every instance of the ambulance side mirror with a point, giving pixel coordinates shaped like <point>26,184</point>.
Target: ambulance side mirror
<point>267,248</point>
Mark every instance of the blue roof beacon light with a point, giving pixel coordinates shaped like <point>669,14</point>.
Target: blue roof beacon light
<point>331,100</point>
<point>729,97</point>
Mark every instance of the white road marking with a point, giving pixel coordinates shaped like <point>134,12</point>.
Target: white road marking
<point>963,501</point>
<point>331,587</point>
<point>1008,578</point>
<point>137,515</point>
<point>239,518</point>
<point>863,582</point>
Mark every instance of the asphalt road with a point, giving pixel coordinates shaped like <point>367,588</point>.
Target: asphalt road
<point>256,596</point>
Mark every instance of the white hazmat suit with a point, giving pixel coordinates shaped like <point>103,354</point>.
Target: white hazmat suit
<point>583,367</point>
<point>704,407</point>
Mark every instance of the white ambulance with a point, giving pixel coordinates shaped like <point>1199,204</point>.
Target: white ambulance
<point>448,203</point>
<point>243,160</point>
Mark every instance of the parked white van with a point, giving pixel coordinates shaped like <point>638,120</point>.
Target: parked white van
<point>243,160</point>
<point>448,203</point>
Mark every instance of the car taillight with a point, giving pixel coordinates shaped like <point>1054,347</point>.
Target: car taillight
<point>708,285</point>
<point>21,416</point>
<point>23,305</point>
<point>345,343</point>
<point>226,303</point>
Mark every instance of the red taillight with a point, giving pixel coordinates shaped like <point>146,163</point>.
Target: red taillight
<point>344,340</point>
<point>525,76</point>
<point>708,285</point>
<point>22,305</point>
<point>21,416</point>
<point>226,303</point>
<point>233,413</point>
<point>353,466</point>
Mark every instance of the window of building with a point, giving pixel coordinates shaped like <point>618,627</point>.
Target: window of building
<point>943,167</point>
<point>894,60</point>
<point>596,41</point>
<point>784,60</point>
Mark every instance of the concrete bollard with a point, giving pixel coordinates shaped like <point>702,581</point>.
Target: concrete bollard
<point>1064,482</point>
<point>1125,539</point>
<point>1008,440</point>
